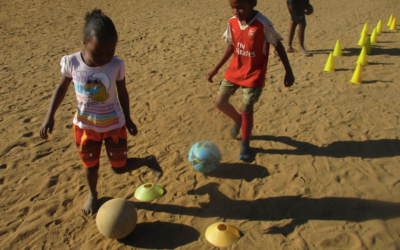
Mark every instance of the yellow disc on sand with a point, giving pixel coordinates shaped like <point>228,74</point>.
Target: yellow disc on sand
<point>222,235</point>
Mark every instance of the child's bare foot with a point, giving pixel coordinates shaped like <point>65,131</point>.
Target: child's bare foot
<point>289,49</point>
<point>236,128</point>
<point>154,166</point>
<point>90,205</point>
<point>305,53</point>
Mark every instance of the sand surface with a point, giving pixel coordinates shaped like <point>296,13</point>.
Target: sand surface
<point>326,174</point>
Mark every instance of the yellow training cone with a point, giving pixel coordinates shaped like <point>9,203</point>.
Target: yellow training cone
<point>362,58</point>
<point>338,49</point>
<point>374,36</point>
<point>394,24</point>
<point>330,64</point>
<point>222,235</point>
<point>390,20</point>
<point>368,46</point>
<point>365,30</point>
<point>362,40</point>
<point>357,75</point>
<point>379,27</point>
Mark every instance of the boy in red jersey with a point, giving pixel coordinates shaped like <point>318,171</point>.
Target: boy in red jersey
<point>248,35</point>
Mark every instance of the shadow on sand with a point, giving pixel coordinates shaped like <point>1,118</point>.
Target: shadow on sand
<point>239,171</point>
<point>160,235</point>
<point>299,209</point>
<point>375,50</point>
<point>339,149</point>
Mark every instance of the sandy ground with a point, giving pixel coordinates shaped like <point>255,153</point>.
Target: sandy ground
<point>326,173</point>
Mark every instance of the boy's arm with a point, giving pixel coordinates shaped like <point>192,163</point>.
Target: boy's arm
<point>225,56</point>
<point>289,77</point>
<point>56,100</point>
<point>123,97</point>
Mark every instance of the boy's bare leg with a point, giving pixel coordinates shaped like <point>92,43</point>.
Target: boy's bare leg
<point>91,177</point>
<point>235,129</point>
<point>222,104</point>
<point>292,29</point>
<point>301,34</point>
<point>135,163</point>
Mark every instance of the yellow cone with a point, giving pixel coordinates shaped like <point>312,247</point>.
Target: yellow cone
<point>374,36</point>
<point>338,49</point>
<point>357,75</point>
<point>394,24</point>
<point>379,27</point>
<point>365,30</point>
<point>368,46</point>
<point>330,63</point>
<point>390,20</point>
<point>362,58</point>
<point>362,40</point>
<point>222,235</point>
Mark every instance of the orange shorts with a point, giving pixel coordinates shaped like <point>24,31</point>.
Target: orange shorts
<point>88,143</point>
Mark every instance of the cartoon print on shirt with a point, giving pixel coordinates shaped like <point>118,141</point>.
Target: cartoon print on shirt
<point>97,86</point>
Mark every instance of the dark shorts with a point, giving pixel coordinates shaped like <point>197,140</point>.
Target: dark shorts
<point>297,10</point>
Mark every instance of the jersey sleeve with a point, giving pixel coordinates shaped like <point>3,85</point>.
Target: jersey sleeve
<point>66,66</point>
<point>121,73</point>
<point>227,35</point>
<point>271,35</point>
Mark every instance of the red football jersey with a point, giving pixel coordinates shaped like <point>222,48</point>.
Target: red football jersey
<point>250,57</point>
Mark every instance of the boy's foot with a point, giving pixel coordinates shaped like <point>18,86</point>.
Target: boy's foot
<point>290,49</point>
<point>90,205</point>
<point>154,166</point>
<point>245,151</point>
<point>235,129</point>
<point>305,53</point>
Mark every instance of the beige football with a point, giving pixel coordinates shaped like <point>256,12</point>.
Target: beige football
<point>116,218</point>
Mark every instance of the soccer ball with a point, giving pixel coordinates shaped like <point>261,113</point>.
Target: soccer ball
<point>204,156</point>
<point>309,10</point>
<point>116,218</point>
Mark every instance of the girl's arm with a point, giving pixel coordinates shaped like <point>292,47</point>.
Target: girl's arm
<point>123,97</point>
<point>289,77</point>
<point>227,54</point>
<point>56,100</point>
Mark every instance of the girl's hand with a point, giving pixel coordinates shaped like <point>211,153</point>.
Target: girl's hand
<point>131,127</point>
<point>211,74</point>
<point>47,125</point>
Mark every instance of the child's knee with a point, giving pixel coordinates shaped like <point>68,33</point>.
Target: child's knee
<point>220,101</point>
<point>92,170</point>
<point>247,108</point>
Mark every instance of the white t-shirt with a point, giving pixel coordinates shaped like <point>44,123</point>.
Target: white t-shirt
<point>96,92</point>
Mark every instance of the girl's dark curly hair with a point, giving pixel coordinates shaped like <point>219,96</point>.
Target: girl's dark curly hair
<point>99,25</point>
